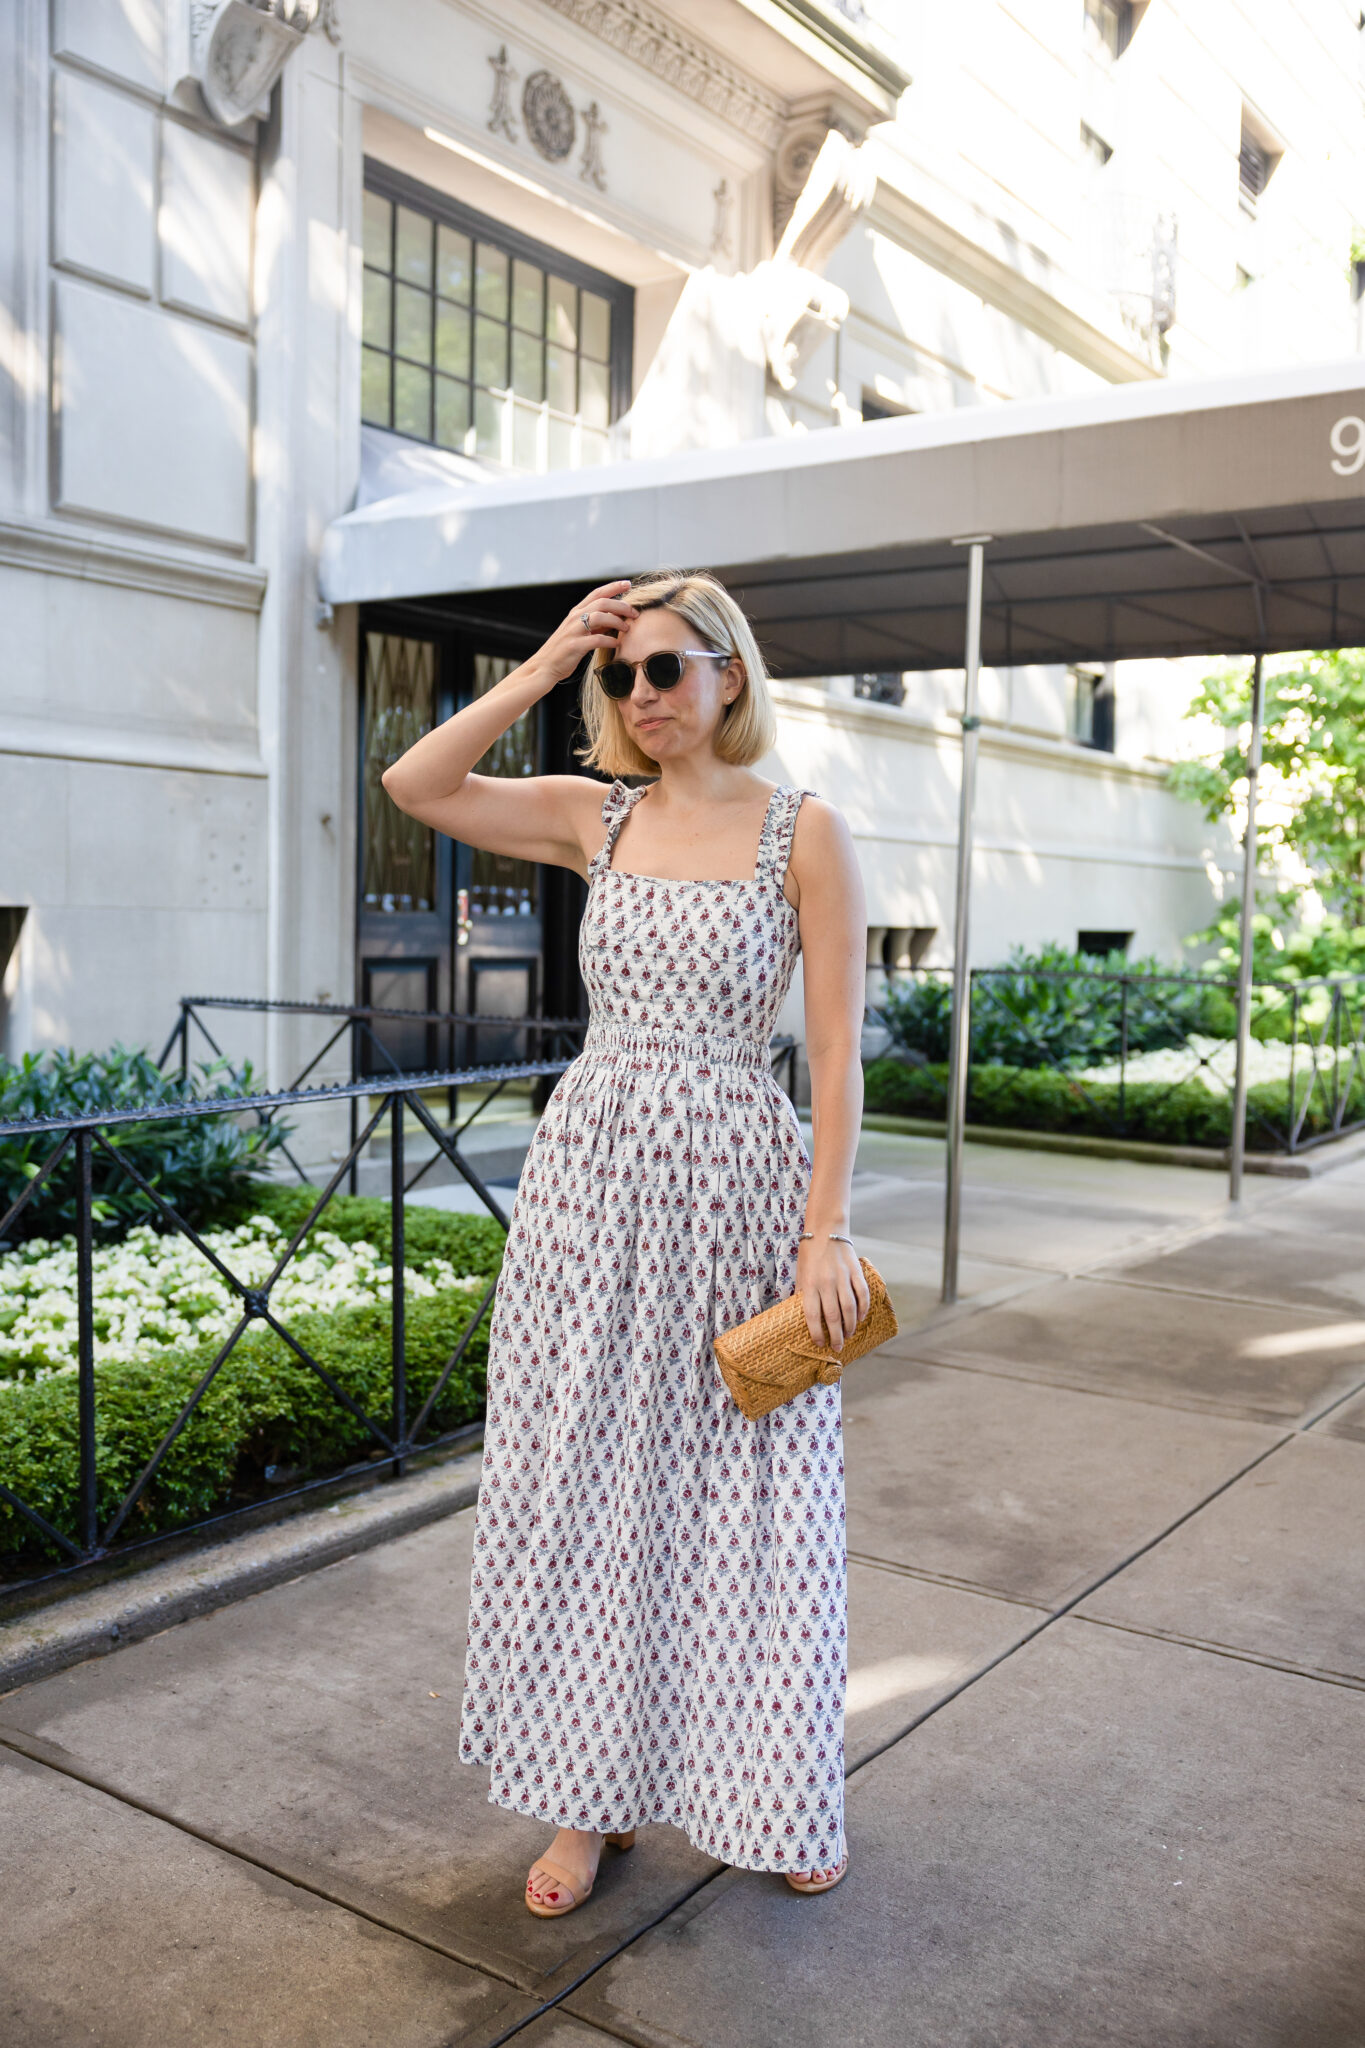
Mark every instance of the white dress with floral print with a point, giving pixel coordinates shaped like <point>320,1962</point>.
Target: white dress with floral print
<point>657,1617</point>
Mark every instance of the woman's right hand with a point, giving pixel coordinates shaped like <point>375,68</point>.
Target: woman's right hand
<point>608,611</point>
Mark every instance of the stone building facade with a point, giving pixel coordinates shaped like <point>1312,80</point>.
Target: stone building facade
<point>258,262</point>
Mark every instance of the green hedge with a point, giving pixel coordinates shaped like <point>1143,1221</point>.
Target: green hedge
<point>265,1407</point>
<point>1040,1099</point>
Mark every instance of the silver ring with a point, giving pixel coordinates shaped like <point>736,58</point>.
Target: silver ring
<point>587,622</point>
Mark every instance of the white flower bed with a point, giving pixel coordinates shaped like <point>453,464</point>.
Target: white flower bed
<point>1268,1061</point>
<point>154,1292</point>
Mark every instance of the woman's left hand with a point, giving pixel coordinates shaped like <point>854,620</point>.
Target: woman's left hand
<point>832,1288</point>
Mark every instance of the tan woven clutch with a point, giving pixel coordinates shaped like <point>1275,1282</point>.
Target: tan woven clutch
<point>770,1359</point>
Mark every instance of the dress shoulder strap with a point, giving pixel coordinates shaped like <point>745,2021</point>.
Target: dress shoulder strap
<point>775,842</point>
<point>617,806</point>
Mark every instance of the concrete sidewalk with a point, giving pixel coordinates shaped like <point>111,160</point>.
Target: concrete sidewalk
<point>1105,1718</point>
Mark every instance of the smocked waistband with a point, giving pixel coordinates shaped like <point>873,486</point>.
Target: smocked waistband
<point>682,1047</point>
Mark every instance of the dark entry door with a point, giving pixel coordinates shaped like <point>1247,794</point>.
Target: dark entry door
<point>499,951</point>
<point>406,893</point>
<point>441,926</point>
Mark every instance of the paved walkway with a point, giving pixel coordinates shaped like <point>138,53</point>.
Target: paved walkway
<point>1106,1711</point>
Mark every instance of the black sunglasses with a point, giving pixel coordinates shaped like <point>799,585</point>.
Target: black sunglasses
<point>663,671</point>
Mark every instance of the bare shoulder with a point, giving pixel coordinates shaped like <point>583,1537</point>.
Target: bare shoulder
<point>821,830</point>
<point>823,863</point>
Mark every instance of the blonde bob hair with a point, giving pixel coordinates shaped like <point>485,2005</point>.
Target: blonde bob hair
<point>749,727</point>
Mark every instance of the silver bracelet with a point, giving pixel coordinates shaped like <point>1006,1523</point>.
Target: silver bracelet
<point>834,1236</point>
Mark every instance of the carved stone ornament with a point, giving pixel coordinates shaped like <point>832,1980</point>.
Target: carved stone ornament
<point>660,43</point>
<point>592,170</point>
<point>800,145</point>
<point>549,116</point>
<point>500,120</point>
<point>798,307</point>
<point>236,49</point>
<point>722,243</point>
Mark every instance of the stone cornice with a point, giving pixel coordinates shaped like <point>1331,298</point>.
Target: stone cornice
<point>954,239</point>
<point>809,703</point>
<point>661,46</point>
<point>57,552</point>
<point>866,61</point>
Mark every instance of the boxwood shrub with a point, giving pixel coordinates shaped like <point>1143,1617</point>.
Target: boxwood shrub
<point>1040,1099</point>
<point>265,1407</point>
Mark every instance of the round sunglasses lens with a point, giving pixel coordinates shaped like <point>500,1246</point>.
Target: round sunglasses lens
<point>664,670</point>
<point>617,678</point>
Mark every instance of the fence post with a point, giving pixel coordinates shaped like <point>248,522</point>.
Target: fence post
<point>352,1182</point>
<point>1123,1061</point>
<point>1237,1150</point>
<point>399,1261</point>
<point>959,1042</point>
<point>85,1343</point>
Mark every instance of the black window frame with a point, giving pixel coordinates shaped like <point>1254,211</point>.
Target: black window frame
<point>402,190</point>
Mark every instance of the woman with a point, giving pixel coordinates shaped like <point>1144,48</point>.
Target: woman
<point>657,1618</point>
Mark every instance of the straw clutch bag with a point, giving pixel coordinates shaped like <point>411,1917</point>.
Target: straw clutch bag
<point>771,1358</point>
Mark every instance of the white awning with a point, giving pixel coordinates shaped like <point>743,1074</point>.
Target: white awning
<point>1151,519</point>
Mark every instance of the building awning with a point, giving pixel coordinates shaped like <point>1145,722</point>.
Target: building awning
<point>1155,519</point>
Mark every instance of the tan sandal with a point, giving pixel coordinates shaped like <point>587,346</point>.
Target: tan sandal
<point>564,1880</point>
<point>810,1885</point>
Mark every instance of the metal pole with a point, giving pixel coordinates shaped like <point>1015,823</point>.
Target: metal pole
<point>959,1046</point>
<point>1237,1150</point>
<point>85,1345</point>
<point>398,1242</point>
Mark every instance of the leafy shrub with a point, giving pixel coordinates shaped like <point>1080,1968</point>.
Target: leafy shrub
<point>198,1164</point>
<point>1048,1009</point>
<point>265,1407</point>
<point>1040,1099</point>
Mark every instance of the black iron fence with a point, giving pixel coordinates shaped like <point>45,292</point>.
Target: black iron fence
<point>353,1036</point>
<point>390,1103</point>
<point>397,1434</point>
<point>1071,1049</point>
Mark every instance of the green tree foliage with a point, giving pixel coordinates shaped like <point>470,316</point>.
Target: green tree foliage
<point>1314,743</point>
<point>1281,950</point>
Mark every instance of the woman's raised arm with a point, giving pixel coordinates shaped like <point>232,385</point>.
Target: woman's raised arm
<point>539,817</point>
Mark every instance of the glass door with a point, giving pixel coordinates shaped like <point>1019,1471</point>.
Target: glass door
<point>406,906</point>
<point>499,951</point>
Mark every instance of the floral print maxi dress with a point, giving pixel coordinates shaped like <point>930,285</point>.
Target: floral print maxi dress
<point>657,1616</point>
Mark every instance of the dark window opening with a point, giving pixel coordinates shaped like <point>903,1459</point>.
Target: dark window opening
<point>1108,28</point>
<point>905,946</point>
<point>1094,147</point>
<point>886,686</point>
<point>1099,945</point>
<point>479,340</point>
<point>11,923</point>
<point>875,408</point>
<point>1255,164</point>
<point>1090,708</point>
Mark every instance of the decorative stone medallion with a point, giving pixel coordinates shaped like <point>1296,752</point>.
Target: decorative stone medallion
<point>549,115</point>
